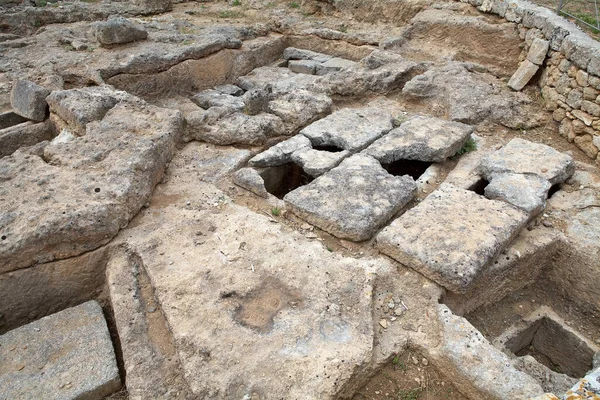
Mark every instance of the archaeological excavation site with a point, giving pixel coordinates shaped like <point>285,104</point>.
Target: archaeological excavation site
<point>321,199</point>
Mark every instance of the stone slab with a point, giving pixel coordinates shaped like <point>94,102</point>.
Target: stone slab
<point>250,179</point>
<point>216,98</point>
<point>538,51</point>
<point>293,53</point>
<point>317,162</point>
<point>350,129</point>
<point>303,66</point>
<point>118,30</point>
<point>520,156</point>
<point>452,235</point>
<point>352,200</point>
<point>334,65</point>
<point>522,75</point>
<point>28,100</point>
<point>67,355</point>
<point>421,138</point>
<point>230,89</point>
<point>527,192</point>
<point>281,153</point>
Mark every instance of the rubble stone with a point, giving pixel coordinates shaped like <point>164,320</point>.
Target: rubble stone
<point>118,30</point>
<point>523,75</point>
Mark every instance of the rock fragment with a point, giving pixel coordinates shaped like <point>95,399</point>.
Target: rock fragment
<point>28,100</point>
<point>118,30</point>
<point>522,75</point>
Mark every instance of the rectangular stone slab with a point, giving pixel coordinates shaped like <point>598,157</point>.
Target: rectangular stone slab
<point>452,235</point>
<point>352,200</point>
<point>350,129</point>
<point>67,355</point>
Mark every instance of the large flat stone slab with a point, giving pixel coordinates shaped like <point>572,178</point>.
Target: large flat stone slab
<point>352,200</point>
<point>351,129</point>
<point>452,235</point>
<point>67,355</point>
<point>421,138</point>
<point>524,157</point>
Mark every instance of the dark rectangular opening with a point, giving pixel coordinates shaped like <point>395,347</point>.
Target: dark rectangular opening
<point>412,168</point>
<point>554,346</point>
<point>282,179</point>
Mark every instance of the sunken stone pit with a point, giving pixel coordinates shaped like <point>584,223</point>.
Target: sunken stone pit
<point>298,200</point>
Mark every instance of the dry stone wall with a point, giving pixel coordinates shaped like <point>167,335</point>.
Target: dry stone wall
<point>570,75</point>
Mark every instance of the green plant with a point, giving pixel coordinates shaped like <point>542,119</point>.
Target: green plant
<point>231,14</point>
<point>399,120</point>
<point>293,4</point>
<point>399,364</point>
<point>469,146</point>
<point>330,249</point>
<point>411,394</point>
<point>276,211</point>
<point>236,3</point>
<point>590,19</point>
<point>343,28</point>
<point>42,3</point>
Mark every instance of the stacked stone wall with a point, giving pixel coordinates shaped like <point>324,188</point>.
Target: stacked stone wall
<point>570,75</point>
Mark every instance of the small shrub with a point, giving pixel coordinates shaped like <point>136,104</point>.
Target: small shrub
<point>293,4</point>
<point>469,146</point>
<point>343,28</point>
<point>236,3</point>
<point>412,394</point>
<point>276,211</point>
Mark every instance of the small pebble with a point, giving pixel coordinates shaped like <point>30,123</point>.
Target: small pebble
<point>547,224</point>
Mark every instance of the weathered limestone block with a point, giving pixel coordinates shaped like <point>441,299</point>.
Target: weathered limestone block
<point>574,98</point>
<point>590,108</point>
<point>352,200</point>
<point>523,157</point>
<point>230,89</point>
<point>588,387</point>
<point>317,162</point>
<point>250,179</point>
<point>523,75</point>
<point>29,100</point>
<point>350,129</point>
<point>99,181</point>
<point>25,134</point>
<point>586,145</point>
<point>292,53</point>
<point>303,66</point>
<point>452,235</point>
<point>421,138</point>
<point>537,51</point>
<point>151,364</point>
<point>299,108</point>
<point>527,192</point>
<point>67,355</point>
<point>78,107</point>
<point>118,30</point>
<point>215,98</point>
<point>236,128</point>
<point>334,65</point>
<point>281,153</point>
<point>584,117</point>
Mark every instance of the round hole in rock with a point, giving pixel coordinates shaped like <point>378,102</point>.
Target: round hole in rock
<point>3,237</point>
<point>97,190</point>
<point>413,168</point>
<point>282,179</point>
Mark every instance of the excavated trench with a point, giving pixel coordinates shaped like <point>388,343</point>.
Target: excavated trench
<point>523,318</point>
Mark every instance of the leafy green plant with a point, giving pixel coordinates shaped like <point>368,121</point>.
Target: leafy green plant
<point>293,4</point>
<point>276,211</point>
<point>236,3</point>
<point>590,19</point>
<point>411,394</point>
<point>330,249</point>
<point>343,28</point>
<point>469,146</point>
